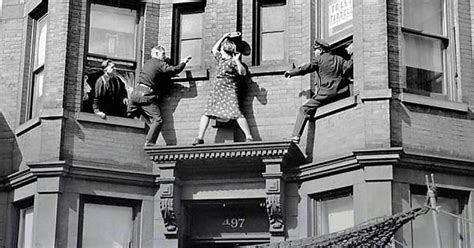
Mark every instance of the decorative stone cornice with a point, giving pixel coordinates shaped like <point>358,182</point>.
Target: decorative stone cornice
<point>260,149</point>
<point>62,169</point>
<point>368,158</point>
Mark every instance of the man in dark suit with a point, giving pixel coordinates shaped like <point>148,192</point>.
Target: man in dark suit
<point>155,77</point>
<point>333,84</point>
<point>110,94</point>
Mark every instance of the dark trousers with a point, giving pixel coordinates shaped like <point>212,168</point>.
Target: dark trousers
<point>144,102</point>
<point>308,109</point>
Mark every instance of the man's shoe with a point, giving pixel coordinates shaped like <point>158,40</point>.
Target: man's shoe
<point>295,139</point>
<point>198,141</point>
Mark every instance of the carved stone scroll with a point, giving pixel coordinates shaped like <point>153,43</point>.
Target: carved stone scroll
<point>275,215</point>
<point>168,214</point>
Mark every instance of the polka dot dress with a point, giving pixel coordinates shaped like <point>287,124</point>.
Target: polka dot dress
<point>223,101</point>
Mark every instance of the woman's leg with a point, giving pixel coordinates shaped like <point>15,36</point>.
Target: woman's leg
<point>245,127</point>
<point>203,126</point>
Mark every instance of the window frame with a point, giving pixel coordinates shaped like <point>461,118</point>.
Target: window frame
<point>20,207</point>
<point>463,200</point>
<point>449,61</point>
<point>178,11</point>
<point>125,65</point>
<point>112,201</point>
<point>30,109</point>
<point>315,201</point>
<point>343,35</point>
<point>257,31</point>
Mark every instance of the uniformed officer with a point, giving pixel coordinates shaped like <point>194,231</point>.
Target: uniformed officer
<point>333,82</point>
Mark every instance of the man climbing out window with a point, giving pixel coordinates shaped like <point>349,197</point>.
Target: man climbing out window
<point>333,82</point>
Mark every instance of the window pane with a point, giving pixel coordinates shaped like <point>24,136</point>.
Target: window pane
<point>191,48</point>
<point>272,46</point>
<point>112,31</point>
<point>423,59</point>
<point>37,93</point>
<point>423,229</point>
<point>337,214</point>
<point>107,226</point>
<point>40,42</point>
<point>25,232</point>
<point>424,15</point>
<point>191,26</point>
<point>273,18</point>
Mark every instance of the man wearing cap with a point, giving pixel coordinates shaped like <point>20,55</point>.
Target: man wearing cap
<point>155,78</point>
<point>333,82</point>
<point>110,94</point>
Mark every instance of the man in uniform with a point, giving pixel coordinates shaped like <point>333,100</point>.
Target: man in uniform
<point>333,82</point>
<point>155,77</point>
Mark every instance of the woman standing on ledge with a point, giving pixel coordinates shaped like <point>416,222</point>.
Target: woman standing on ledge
<point>223,102</point>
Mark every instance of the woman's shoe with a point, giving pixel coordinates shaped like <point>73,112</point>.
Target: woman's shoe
<point>248,139</point>
<point>198,141</point>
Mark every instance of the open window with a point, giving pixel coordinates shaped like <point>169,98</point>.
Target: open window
<point>114,32</point>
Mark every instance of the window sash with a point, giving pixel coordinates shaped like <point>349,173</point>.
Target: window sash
<point>25,227</point>
<point>423,80</point>
<point>271,32</point>
<point>189,34</point>
<point>118,40</point>
<point>38,58</point>
<point>332,211</point>
<point>104,213</point>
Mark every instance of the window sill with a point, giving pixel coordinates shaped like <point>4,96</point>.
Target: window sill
<point>273,69</point>
<point>191,75</point>
<point>431,102</point>
<point>334,107</point>
<point>111,120</point>
<point>55,113</point>
<point>28,125</point>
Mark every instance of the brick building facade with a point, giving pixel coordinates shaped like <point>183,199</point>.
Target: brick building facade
<point>71,179</point>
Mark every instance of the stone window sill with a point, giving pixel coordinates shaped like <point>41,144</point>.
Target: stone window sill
<point>111,120</point>
<point>432,102</point>
<point>27,126</point>
<point>337,106</point>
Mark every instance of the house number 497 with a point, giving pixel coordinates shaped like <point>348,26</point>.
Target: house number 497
<point>234,222</point>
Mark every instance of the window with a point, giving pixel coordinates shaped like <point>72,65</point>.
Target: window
<point>37,63</point>
<point>270,29</point>
<point>188,33</point>
<point>428,53</point>
<point>335,19</point>
<point>117,220</point>
<point>454,231</point>
<point>25,227</point>
<point>332,212</point>
<point>114,33</point>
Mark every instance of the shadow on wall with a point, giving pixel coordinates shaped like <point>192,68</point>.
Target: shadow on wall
<point>168,104</point>
<point>10,154</point>
<point>247,91</point>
